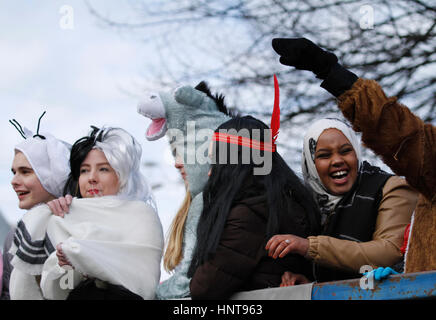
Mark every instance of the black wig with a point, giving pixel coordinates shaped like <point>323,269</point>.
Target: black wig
<point>79,151</point>
<point>226,184</point>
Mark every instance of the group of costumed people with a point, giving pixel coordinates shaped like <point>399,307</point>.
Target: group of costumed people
<point>92,230</point>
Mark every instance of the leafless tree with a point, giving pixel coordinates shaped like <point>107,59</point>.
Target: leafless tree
<point>228,43</point>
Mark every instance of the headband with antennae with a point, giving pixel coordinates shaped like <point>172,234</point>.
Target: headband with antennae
<point>21,131</point>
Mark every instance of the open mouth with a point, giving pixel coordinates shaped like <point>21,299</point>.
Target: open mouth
<point>340,177</point>
<point>156,129</point>
<point>22,194</point>
<point>152,107</point>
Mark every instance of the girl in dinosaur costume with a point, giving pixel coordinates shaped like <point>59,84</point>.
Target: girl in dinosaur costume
<point>179,114</point>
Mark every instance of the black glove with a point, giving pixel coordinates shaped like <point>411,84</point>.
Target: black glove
<point>303,54</point>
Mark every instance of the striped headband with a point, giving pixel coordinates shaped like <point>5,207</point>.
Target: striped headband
<point>245,142</point>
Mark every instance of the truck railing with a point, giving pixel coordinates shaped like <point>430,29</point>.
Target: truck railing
<point>406,286</point>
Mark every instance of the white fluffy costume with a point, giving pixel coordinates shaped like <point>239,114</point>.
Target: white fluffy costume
<point>111,239</point>
<point>183,114</point>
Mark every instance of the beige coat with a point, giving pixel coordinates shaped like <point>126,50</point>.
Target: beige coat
<point>395,211</point>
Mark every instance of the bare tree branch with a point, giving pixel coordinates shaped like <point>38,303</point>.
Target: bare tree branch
<point>228,43</point>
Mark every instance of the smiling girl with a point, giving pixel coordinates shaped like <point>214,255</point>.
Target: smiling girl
<point>364,210</point>
<point>40,169</point>
<point>26,184</point>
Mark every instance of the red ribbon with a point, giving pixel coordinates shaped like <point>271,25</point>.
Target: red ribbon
<point>242,141</point>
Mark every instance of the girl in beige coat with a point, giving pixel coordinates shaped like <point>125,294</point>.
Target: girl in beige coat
<point>364,210</point>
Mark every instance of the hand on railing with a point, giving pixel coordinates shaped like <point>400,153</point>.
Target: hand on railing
<point>292,279</point>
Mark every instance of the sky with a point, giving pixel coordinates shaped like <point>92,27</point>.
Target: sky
<point>56,57</point>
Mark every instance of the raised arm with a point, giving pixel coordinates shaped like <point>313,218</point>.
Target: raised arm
<point>405,143</point>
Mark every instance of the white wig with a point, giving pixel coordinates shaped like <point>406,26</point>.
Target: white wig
<point>123,153</point>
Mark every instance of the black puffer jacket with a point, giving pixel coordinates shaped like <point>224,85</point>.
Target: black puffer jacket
<point>241,261</point>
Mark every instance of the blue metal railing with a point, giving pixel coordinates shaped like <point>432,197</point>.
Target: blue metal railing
<point>402,286</point>
<point>406,286</point>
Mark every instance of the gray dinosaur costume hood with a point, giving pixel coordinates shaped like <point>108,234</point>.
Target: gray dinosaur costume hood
<point>188,116</point>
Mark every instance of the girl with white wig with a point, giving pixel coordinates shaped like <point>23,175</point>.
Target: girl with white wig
<point>364,210</point>
<point>110,244</point>
<point>122,152</point>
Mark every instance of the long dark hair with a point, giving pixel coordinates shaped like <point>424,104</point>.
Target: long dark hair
<point>226,184</point>
<point>79,151</point>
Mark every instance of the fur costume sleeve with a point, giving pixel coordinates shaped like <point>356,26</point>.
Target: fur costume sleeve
<point>408,146</point>
<point>406,143</point>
